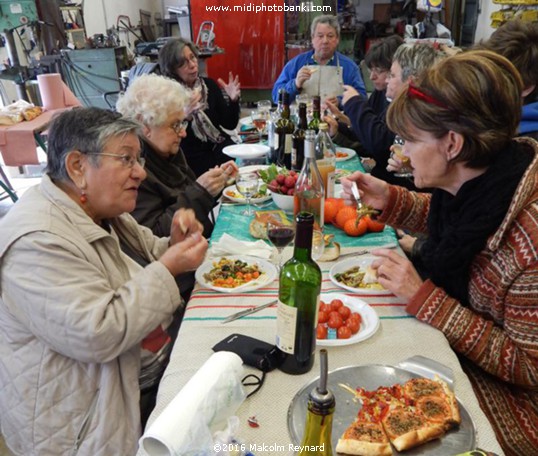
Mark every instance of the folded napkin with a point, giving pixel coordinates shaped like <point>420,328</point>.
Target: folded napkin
<point>228,245</point>
<point>211,396</point>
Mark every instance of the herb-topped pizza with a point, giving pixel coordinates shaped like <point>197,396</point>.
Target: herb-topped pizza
<point>405,415</point>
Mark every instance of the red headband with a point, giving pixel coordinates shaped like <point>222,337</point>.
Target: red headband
<point>415,92</point>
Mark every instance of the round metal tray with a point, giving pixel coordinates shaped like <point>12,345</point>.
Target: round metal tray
<point>371,377</point>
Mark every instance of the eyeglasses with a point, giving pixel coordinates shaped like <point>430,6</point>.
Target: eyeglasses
<point>127,161</point>
<point>191,59</point>
<point>178,126</point>
<point>377,70</point>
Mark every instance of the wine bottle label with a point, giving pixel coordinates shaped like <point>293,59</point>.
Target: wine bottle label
<point>275,140</point>
<point>288,144</point>
<point>286,324</point>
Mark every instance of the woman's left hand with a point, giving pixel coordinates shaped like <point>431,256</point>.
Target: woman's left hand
<point>396,273</point>
<point>184,223</point>
<point>233,88</point>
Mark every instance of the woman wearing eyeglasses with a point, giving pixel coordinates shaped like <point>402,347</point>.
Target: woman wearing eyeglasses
<point>82,326</point>
<point>481,256</point>
<point>213,107</point>
<point>158,103</point>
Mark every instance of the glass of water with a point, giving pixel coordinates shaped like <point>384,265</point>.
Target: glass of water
<point>247,185</point>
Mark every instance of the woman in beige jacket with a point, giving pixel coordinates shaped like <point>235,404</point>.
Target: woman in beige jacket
<point>74,310</point>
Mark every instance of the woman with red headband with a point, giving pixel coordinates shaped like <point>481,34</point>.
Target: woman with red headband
<point>480,259</point>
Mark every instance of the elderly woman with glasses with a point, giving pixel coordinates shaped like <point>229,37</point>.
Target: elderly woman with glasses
<point>81,324</point>
<point>481,254</point>
<point>212,108</point>
<point>159,103</point>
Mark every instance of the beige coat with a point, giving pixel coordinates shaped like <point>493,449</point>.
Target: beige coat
<point>71,322</point>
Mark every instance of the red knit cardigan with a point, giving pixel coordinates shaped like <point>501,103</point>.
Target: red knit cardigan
<point>499,330</point>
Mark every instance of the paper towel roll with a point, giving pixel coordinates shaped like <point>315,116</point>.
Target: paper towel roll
<point>54,93</point>
<point>212,394</point>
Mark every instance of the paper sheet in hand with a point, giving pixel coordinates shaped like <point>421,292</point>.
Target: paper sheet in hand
<point>325,81</point>
<point>212,395</point>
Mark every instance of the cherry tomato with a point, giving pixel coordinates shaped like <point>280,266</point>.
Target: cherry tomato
<point>336,304</point>
<point>321,332</point>
<point>335,320</point>
<point>353,324</point>
<point>323,317</point>
<point>344,312</point>
<point>344,332</point>
<point>324,307</point>
<point>356,316</point>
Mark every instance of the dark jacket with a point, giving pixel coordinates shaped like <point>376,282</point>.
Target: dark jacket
<point>200,155</point>
<point>170,185</point>
<point>370,126</point>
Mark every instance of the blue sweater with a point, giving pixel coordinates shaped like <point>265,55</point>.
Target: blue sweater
<point>352,75</point>
<point>529,120</point>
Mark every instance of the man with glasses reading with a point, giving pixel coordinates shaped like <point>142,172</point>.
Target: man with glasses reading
<point>322,71</point>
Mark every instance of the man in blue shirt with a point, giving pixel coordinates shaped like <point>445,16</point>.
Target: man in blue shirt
<point>325,32</point>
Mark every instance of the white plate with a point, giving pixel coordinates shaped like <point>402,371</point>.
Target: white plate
<point>246,151</point>
<point>267,269</point>
<point>344,265</point>
<point>350,153</point>
<point>241,199</point>
<point>369,324</point>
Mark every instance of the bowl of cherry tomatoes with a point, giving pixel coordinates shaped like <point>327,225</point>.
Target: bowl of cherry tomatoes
<point>344,320</point>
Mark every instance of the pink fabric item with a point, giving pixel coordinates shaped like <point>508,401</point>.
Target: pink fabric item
<point>17,142</point>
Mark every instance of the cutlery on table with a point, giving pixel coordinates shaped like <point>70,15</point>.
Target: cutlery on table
<point>368,250</point>
<point>252,310</point>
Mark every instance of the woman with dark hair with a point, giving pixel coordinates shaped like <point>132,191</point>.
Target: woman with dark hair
<point>481,255</point>
<point>211,109</point>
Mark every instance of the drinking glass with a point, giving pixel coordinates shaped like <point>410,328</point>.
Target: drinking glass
<point>397,154</point>
<point>259,119</point>
<point>247,185</point>
<point>280,235</point>
<point>264,105</point>
<point>318,244</point>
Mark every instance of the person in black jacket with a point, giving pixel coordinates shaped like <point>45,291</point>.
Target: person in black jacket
<point>158,104</point>
<point>410,60</point>
<point>211,108</point>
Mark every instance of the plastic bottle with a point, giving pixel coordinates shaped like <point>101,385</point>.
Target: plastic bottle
<point>298,302</point>
<point>319,416</point>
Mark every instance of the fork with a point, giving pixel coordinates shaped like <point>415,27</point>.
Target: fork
<point>362,209</point>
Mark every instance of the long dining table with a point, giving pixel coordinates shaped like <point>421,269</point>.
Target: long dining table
<point>399,338</point>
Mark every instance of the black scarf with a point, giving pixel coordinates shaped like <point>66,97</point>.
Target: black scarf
<point>460,225</point>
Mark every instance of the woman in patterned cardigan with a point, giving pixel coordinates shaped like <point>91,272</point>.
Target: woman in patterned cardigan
<point>481,256</point>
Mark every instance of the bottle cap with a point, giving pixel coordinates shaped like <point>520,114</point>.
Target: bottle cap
<point>323,126</point>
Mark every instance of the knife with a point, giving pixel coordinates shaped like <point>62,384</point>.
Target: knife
<point>252,310</point>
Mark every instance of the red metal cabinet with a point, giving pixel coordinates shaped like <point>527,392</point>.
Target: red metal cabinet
<point>253,42</point>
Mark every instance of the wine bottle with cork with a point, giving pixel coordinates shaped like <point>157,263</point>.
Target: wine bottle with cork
<point>298,302</point>
<point>284,130</point>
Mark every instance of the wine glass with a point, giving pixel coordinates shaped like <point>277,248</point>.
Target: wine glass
<point>247,185</point>
<point>397,153</point>
<point>280,235</point>
<point>318,243</point>
<point>259,119</point>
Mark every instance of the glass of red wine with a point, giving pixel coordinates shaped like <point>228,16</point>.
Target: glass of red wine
<point>280,235</point>
<point>259,119</point>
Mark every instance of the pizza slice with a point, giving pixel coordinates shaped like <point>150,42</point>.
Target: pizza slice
<point>364,438</point>
<point>435,400</point>
<point>406,427</point>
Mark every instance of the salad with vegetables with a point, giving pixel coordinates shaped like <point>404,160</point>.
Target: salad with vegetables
<point>228,273</point>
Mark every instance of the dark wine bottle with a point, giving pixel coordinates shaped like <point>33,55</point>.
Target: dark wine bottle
<point>298,302</point>
<point>297,152</point>
<point>319,416</point>
<point>284,129</point>
<point>316,114</point>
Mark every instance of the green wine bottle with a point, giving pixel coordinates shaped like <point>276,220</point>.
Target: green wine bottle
<point>317,435</point>
<point>298,302</point>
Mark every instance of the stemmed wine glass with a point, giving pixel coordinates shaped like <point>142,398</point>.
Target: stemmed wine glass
<point>247,185</point>
<point>280,235</point>
<point>259,119</point>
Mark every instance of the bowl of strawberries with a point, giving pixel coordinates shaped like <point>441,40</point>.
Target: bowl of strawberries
<point>281,182</point>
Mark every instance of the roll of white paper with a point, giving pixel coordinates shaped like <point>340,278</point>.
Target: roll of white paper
<point>212,395</point>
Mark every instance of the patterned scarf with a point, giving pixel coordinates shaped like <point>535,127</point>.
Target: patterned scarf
<point>201,125</point>
<point>459,225</point>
